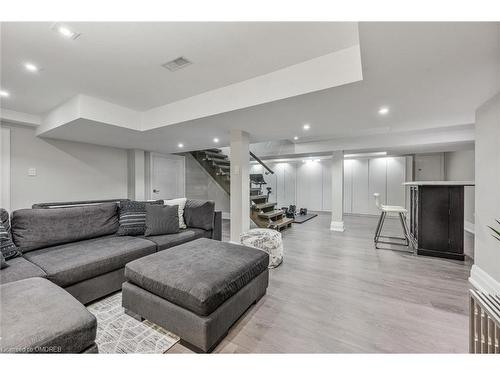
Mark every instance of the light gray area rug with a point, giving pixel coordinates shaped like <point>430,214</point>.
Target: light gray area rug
<point>119,333</point>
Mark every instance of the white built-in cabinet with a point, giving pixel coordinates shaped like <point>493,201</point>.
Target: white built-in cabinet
<point>309,184</point>
<point>364,177</point>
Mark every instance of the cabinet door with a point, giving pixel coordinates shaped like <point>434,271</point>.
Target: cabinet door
<point>433,217</point>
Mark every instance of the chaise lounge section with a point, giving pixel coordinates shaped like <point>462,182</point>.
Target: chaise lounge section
<point>72,255</point>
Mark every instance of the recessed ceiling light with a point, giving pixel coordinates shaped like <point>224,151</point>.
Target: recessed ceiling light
<point>216,140</point>
<point>65,31</point>
<point>180,145</point>
<point>31,67</point>
<point>295,138</point>
<point>383,110</point>
<point>306,127</point>
<point>4,94</point>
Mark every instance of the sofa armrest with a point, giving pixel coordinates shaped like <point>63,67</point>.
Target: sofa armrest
<point>217,229</point>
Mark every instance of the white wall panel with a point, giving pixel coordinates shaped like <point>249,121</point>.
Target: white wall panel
<point>310,186</point>
<point>327,185</point>
<point>359,169</point>
<point>396,175</point>
<point>377,183</point>
<point>348,186</point>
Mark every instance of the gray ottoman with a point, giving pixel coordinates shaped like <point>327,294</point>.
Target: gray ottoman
<point>196,290</point>
<point>37,316</point>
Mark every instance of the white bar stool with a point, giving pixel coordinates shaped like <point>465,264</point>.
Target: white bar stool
<point>401,211</point>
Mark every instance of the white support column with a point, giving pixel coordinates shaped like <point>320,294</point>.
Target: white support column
<point>337,223</point>
<point>136,176</point>
<point>240,180</point>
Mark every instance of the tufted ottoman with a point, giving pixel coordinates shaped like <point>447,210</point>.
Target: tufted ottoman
<point>268,240</point>
<point>196,290</point>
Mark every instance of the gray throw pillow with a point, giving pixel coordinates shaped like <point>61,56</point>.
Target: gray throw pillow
<point>3,263</point>
<point>161,220</point>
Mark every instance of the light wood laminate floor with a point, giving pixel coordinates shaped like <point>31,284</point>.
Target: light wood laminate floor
<point>335,293</point>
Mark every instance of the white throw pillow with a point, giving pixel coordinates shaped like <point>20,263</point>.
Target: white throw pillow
<point>181,202</point>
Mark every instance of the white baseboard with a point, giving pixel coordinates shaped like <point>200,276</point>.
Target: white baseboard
<point>337,226</point>
<point>482,281</point>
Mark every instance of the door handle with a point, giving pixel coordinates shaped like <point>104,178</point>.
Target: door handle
<point>156,191</point>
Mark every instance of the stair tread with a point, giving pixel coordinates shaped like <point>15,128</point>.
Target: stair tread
<point>225,167</point>
<point>215,155</point>
<point>282,222</point>
<point>271,214</point>
<point>258,197</point>
<point>265,205</point>
<point>220,161</point>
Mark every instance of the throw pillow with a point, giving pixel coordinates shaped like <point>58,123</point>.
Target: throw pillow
<point>199,214</point>
<point>161,220</point>
<point>181,202</point>
<point>133,217</point>
<point>3,263</point>
<point>7,247</point>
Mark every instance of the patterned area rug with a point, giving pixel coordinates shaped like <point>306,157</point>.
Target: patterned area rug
<point>119,333</point>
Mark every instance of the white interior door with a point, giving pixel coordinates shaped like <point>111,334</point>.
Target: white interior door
<point>429,167</point>
<point>167,176</point>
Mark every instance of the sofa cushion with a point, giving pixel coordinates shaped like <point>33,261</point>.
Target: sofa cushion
<point>68,264</point>
<point>161,220</point>
<point>19,269</point>
<point>133,217</point>
<point>41,227</point>
<point>199,275</point>
<point>169,240</point>
<point>7,247</point>
<point>181,202</point>
<point>38,316</point>
<point>199,214</point>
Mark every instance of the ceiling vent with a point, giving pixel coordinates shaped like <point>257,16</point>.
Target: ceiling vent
<point>176,64</point>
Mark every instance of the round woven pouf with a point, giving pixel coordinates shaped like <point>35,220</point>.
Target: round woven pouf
<point>268,240</point>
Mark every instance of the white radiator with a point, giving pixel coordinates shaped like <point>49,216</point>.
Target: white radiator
<point>484,323</point>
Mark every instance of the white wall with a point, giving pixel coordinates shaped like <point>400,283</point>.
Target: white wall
<point>309,184</point>
<point>64,170</point>
<point>459,166</point>
<point>200,185</point>
<point>364,177</point>
<point>485,272</point>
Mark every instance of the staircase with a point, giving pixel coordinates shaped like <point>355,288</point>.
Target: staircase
<point>262,212</point>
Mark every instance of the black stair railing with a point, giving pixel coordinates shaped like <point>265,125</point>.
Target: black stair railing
<point>261,163</point>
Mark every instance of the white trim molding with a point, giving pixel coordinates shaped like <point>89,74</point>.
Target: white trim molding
<point>337,226</point>
<point>483,281</point>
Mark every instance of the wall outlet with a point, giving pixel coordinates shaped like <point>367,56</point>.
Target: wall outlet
<point>31,172</point>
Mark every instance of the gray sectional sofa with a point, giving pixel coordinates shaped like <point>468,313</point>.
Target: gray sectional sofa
<point>76,247</point>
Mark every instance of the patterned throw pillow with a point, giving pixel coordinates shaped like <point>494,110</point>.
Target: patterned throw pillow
<point>133,217</point>
<point>7,247</point>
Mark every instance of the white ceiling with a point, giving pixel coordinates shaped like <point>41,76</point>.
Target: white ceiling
<point>121,61</point>
<point>431,75</point>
